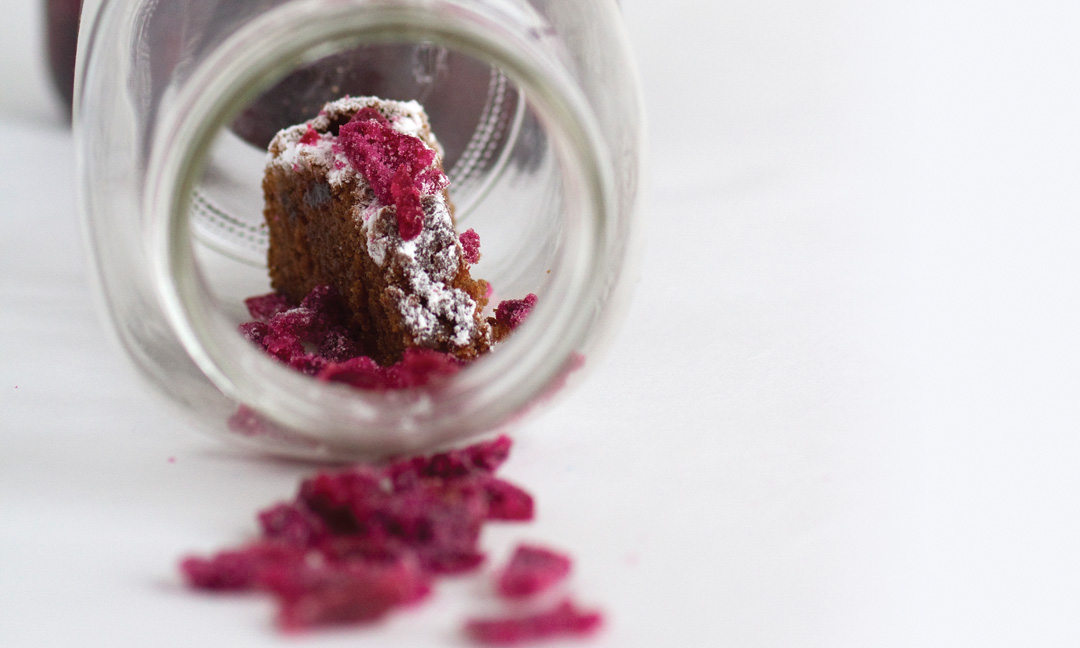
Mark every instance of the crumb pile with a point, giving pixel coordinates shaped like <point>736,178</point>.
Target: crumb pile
<point>357,543</point>
<point>314,338</point>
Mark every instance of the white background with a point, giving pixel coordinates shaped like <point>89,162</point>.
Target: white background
<point>843,410</point>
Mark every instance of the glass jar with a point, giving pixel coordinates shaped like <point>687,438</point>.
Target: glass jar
<point>538,110</point>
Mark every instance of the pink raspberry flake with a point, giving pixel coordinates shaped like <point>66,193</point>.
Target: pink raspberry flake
<point>254,332</point>
<point>479,459</point>
<point>310,136</point>
<point>417,368</point>
<point>334,594</point>
<point>564,620</point>
<point>293,525</point>
<point>470,243</point>
<point>507,501</point>
<point>512,312</point>
<point>370,113</point>
<point>532,570</point>
<point>239,569</point>
<point>247,422</point>
<point>263,307</point>
<point>410,212</point>
<point>397,166</point>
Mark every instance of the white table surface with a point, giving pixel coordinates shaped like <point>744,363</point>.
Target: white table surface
<point>843,410</point>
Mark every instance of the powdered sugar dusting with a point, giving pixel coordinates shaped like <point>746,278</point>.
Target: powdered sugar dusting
<point>431,307</point>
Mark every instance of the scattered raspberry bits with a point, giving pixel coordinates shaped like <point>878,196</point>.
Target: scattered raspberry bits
<point>512,312</point>
<point>564,620</point>
<point>532,570</point>
<point>357,543</point>
<point>470,242</point>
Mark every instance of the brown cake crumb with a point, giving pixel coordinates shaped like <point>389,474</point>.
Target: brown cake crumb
<point>356,200</point>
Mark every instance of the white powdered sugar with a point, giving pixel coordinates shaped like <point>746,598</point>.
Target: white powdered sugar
<point>431,309</point>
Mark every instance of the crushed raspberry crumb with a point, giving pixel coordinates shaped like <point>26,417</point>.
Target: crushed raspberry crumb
<point>263,307</point>
<point>479,459</point>
<point>246,422</point>
<point>396,165</point>
<point>563,620</point>
<point>238,569</point>
<point>369,113</point>
<point>507,502</point>
<point>410,213</point>
<point>470,242</point>
<point>340,593</point>
<point>416,369</point>
<point>512,312</point>
<point>310,136</point>
<point>532,570</point>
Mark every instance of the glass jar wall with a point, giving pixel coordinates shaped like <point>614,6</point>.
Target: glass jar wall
<point>536,106</point>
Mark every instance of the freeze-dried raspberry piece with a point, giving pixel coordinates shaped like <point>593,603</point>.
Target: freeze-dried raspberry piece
<point>532,570</point>
<point>337,346</point>
<point>470,243</point>
<point>376,150</point>
<point>337,497</point>
<point>479,458</point>
<point>310,136</point>
<point>254,332</point>
<point>416,368</point>
<point>453,563</point>
<point>489,455</point>
<point>263,307</point>
<point>283,346</point>
<point>410,213</point>
<point>341,593</point>
<point>240,569</point>
<point>506,501</point>
<point>564,620</point>
<point>246,422</point>
<point>370,113</point>
<point>512,312</point>
<point>293,323</point>
<point>361,372</point>
<point>325,305</point>
<point>307,363</point>
<point>397,166</point>
<point>292,524</point>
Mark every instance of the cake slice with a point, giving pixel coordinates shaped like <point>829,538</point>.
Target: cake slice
<point>356,200</point>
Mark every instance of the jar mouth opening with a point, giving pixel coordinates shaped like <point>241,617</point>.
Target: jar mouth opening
<point>320,418</point>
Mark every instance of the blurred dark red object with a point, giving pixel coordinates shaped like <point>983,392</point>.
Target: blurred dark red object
<point>62,35</point>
